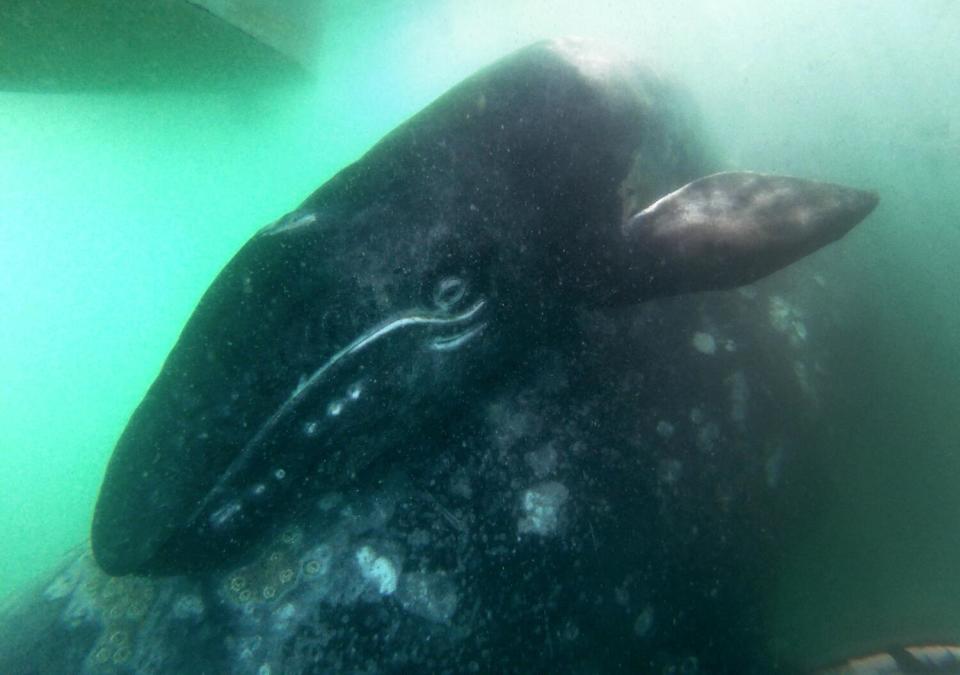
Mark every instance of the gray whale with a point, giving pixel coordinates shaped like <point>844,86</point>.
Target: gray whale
<point>447,415</point>
<point>417,275</point>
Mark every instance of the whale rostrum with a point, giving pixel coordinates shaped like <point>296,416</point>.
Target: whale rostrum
<point>559,177</point>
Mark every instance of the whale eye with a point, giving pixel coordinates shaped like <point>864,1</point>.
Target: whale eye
<point>448,292</point>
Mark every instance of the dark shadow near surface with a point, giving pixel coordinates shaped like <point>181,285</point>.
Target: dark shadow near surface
<point>60,46</point>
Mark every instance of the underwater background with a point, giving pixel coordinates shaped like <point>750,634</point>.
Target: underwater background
<point>117,209</point>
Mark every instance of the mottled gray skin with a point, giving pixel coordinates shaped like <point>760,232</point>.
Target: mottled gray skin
<point>515,182</point>
<point>421,424</point>
<point>681,469</point>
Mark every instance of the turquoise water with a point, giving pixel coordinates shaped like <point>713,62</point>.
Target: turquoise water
<point>116,211</point>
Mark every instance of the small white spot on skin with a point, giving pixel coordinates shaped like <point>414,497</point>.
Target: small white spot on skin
<point>664,429</point>
<point>644,622</point>
<point>704,343</point>
<point>378,570</point>
<point>279,474</point>
<point>354,391</point>
<point>225,513</point>
<point>541,508</point>
<point>335,408</point>
<point>696,415</point>
<point>311,428</point>
<point>258,489</point>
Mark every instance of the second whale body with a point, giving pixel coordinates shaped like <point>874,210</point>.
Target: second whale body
<point>561,177</point>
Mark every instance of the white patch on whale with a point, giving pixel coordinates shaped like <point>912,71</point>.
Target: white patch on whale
<point>541,508</point>
<point>704,343</point>
<point>378,570</point>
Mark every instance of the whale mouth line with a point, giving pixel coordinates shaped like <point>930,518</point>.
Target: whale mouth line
<point>306,386</point>
<point>452,342</point>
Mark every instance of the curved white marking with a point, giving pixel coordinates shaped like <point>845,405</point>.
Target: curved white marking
<point>448,292</point>
<point>306,385</point>
<point>447,344</point>
<point>225,513</point>
<point>292,221</point>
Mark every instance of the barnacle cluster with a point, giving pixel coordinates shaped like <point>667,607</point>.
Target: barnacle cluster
<point>269,576</point>
<point>123,602</point>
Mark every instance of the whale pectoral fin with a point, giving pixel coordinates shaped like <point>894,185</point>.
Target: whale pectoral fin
<point>730,229</point>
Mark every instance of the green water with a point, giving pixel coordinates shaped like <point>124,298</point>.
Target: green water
<point>116,211</point>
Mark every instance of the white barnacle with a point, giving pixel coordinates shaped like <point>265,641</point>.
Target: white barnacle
<point>354,391</point>
<point>279,474</point>
<point>335,408</point>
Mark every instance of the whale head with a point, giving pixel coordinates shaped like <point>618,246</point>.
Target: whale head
<point>379,311</point>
